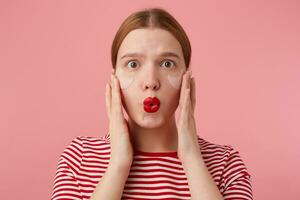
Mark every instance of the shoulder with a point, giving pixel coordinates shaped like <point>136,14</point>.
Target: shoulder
<point>208,147</point>
<point>230,153</point>
<point>215,155</point>
<point>95,144</point>
<point>80,145</point>
<point>90,140</point>
<point>225,156</point>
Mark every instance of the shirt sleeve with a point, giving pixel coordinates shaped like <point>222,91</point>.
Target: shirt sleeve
<point>66,185</point>
<point>237,180</point>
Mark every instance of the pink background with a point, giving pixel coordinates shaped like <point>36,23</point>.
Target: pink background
<point>55,61</point>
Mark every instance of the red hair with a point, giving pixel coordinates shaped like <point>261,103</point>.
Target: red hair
<point>151,18</point>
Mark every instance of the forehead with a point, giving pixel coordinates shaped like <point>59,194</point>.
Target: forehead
<point>149,41</point>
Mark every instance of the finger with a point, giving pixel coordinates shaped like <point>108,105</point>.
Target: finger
<point>184,85</point>
<point>116,98</point>
<point>186,105</point>
<point>182,89</point>
<point>189,79</point>
<point>193,93</point>
<point>108,99</point>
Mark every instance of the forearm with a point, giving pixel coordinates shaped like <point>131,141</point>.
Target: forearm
<point>201,183</point>
<point>112,183</point>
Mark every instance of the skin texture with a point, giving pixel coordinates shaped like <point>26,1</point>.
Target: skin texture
<point>151,75</point>
<point>175,81</point>
<point>155,132</point>
<point>125,81</point>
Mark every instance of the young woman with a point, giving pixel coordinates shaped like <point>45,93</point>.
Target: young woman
<point>150,155</point>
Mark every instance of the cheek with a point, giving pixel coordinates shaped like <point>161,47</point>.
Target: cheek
<point>175,81</point>
<point>125,82</point>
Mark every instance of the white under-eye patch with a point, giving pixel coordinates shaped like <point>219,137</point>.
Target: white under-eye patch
<point>125,82</point>
<point>175,80</point>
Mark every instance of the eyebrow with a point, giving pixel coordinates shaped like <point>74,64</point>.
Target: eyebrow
<point>164,54</point>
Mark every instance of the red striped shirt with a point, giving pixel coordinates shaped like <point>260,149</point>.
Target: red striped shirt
<point>152,175</point>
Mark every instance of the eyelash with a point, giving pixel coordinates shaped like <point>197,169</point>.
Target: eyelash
<point>174,64</point>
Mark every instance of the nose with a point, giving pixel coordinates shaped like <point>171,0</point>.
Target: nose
<point>151,80</point>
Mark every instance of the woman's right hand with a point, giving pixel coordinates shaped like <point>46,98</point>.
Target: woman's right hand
<point>120,140</point>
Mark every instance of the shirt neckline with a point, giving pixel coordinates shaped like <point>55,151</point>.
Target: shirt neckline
<point>169,153</point>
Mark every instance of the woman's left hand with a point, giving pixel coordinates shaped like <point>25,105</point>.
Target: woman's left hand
<point>186,127</point>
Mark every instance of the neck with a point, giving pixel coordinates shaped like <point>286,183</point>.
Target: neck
<point>159,139</point>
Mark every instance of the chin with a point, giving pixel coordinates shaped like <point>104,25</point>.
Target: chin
<point>150,122</point>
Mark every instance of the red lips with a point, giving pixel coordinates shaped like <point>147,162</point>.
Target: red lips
<point>151,104</point>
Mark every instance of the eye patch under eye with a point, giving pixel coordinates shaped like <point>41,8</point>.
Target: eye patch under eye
<point>174,79</point>
<point>125,82</point>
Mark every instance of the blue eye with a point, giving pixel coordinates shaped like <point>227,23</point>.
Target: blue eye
<point>169,61</point>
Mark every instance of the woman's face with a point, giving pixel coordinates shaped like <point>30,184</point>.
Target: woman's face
<point>150,63</point>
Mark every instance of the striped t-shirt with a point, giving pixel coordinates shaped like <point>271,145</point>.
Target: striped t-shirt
<point>153,175</point>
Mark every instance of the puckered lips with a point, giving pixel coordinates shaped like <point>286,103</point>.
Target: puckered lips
<point>151,104</point>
